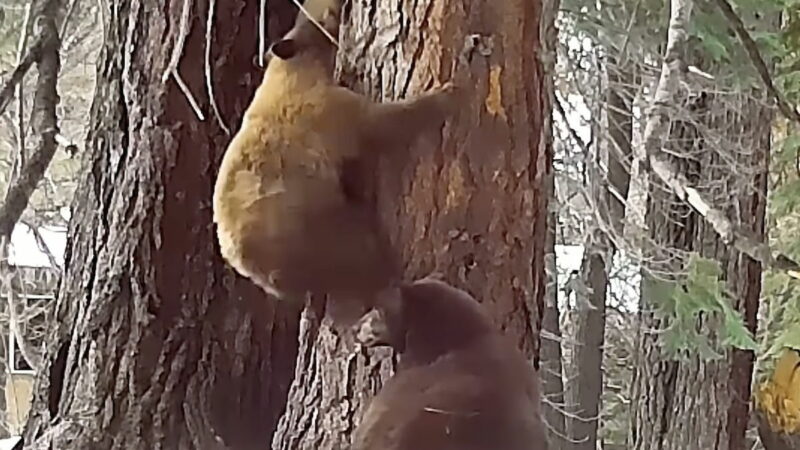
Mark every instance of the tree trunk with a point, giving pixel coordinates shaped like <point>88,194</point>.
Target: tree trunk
<point>695,403</point>
<point>551,368</point>
<point>598,254</point>
<point>157,344</point>
<point>590,338</point>
<point>471,207</point>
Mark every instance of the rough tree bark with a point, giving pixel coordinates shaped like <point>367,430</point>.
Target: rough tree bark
<point>157,344</point>
<point>472,207</point>
<point>718,148</point>
<point>692,403</point>
<point>695,403</point>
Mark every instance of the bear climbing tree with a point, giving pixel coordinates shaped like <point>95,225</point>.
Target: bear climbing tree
<point>157,343</point>
<point>471,207</point>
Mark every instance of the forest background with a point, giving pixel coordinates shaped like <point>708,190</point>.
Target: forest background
<point>659,139</point>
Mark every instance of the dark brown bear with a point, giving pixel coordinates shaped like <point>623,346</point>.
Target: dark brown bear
<point>460,385</point>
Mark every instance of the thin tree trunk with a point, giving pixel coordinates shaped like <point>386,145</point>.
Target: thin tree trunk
<point>471,207</point>
<point>590,337</point>
<point>719,148</point>
<point>610,193</point>
<point>551,368</point>
<point>43,118</point>
<point>156,343</point>
<point>695,403</point>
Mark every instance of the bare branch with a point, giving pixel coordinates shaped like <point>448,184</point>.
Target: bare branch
<point>24,32</point>
<point>657,120</point>
<point>623,48</point>
<point>44,247</point>
<point>316,23</point>
<point>33,56</point>
<point>21,45</point>
<point>15,307</point>
<point>656,132</point>
<point>751,48</point>
<point>67,17</point>
<point>175,58</point>
<point>212,5</point>
<point>180,43</point>
<point>262,32</point>
<point>583,145</point>
<point>188,93</point>
<point>44,119</point>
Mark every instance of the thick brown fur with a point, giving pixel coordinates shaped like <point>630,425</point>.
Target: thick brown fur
<point>284,216</point>
<point>460,384</point>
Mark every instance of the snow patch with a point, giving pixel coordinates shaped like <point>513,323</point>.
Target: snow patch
<point>25,251</point>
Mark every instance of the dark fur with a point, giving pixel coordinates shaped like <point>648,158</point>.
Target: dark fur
<point>460,384</point>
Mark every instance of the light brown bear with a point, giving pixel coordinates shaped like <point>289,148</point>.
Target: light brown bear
<point>284,216</point>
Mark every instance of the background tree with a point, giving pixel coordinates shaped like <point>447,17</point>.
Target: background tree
<point>714,129</point>
<point>779,327</point>
<point>39,172</point>
<point>595,116</point>
<point>698,373</point>
<point>156,344</point>
<point>550,366</point>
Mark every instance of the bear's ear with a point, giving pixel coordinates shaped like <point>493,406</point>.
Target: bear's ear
<point>284,49</point>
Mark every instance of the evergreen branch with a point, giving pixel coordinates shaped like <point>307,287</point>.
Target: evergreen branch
<point>751,48</point>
